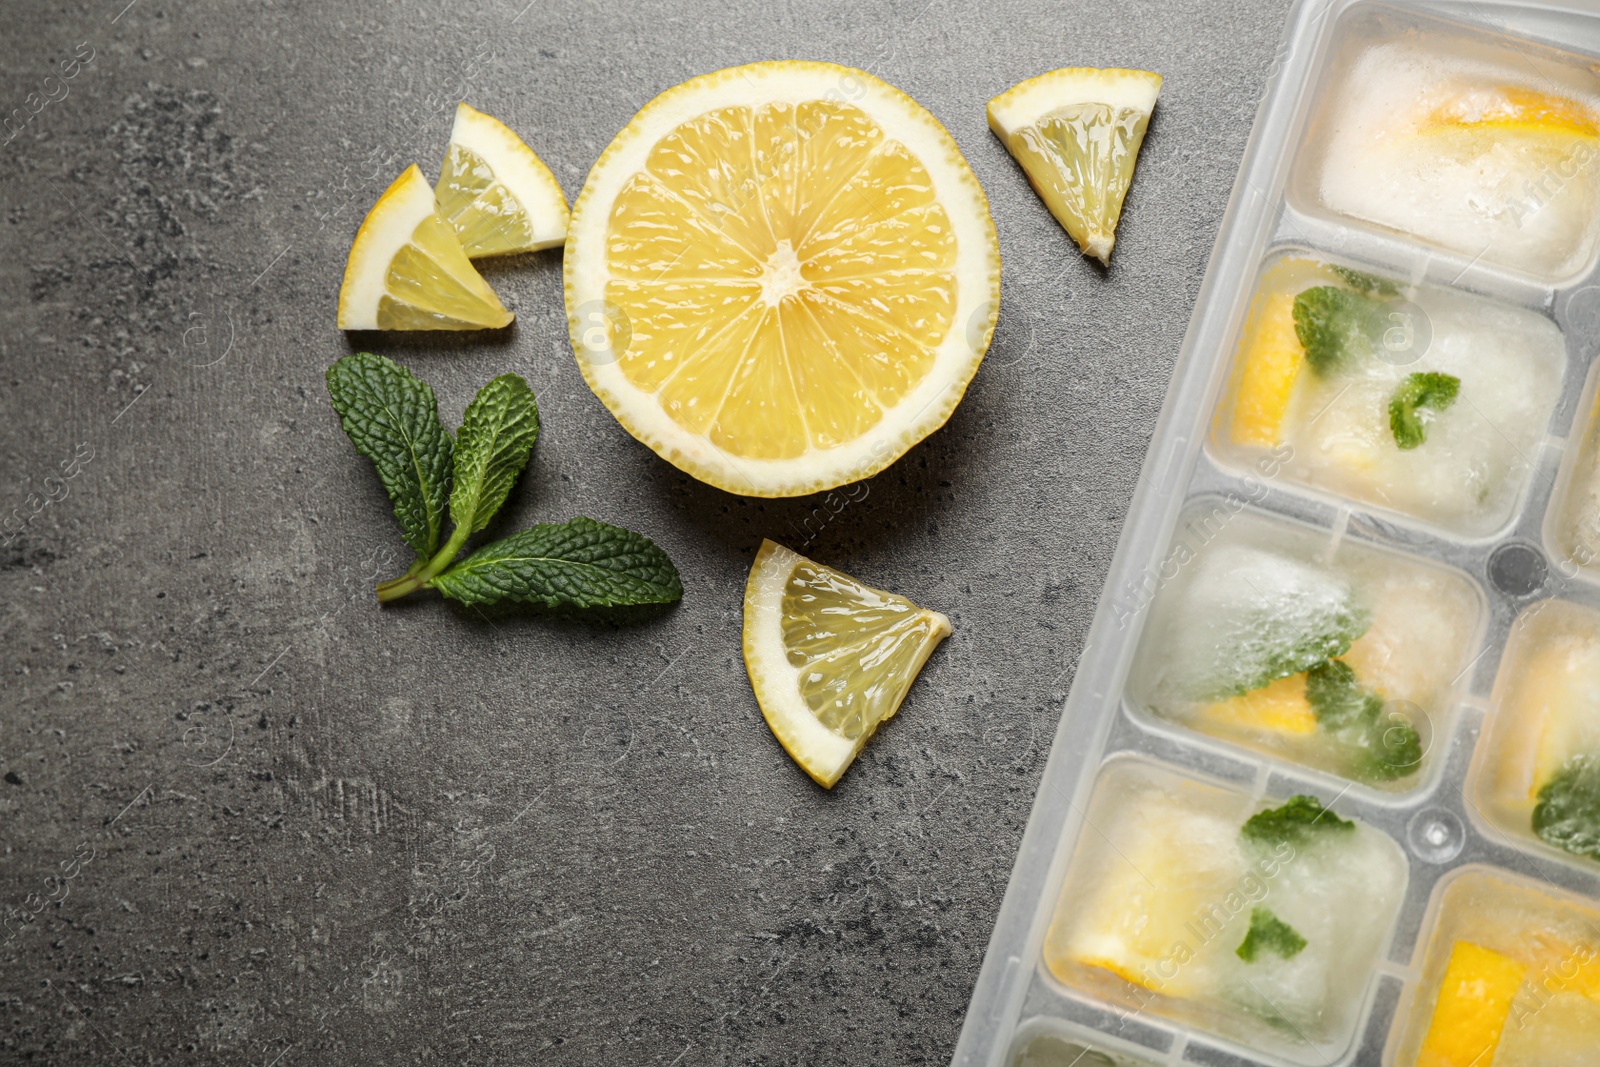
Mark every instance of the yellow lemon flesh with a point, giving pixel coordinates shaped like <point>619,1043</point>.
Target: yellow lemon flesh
<point>1280,707</point>
<point>1076,132</point>
<point>1474,999</point>
<point>829,658</point>
<point>407,270</point>
<point>781,276</point>
<point>498,195</point>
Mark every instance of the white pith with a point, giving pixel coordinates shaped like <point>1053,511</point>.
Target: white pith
<point>1026,103</point>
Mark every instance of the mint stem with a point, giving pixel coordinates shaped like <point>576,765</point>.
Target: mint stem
<point>421,574</point>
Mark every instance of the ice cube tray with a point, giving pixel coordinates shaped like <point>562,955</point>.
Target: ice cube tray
<point>1528,552</point>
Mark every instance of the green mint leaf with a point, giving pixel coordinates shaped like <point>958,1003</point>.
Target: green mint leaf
<point>1567,814</point>
<point>1336,698</point>
<point>1381,746</point>
<point>492,447</point>
<point>1298,821</point>
<point>393,419</point>
<point>1366,283</point>
<point>1414,401</point>
<point>1395,749</point>
<point>581,563</point>
<point>1268,933</point>
<point>1336,327</point>
<point>1250,617</point>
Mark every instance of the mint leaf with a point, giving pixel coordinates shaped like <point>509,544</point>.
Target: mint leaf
<point>1251,616</point>
<point>1336,326</point>
<point>581,563</point>
<point>1268,933</point>
<point>1380,746</point>
<point>1336,698</point>
<point>1298,821</point>
<point>1567,814</point>
<point>1366,283</point>
<point>1414,401</point>
<point>496,436</point>
<point>393,419</point>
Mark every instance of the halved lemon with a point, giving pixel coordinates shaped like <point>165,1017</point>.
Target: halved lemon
<point>407,270</point>
<point>1077,132</point>
<point>498,195</point>
<point>781,276</point>
<point>828,657</point>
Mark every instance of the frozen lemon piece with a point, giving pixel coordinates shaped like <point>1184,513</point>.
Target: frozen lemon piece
<point>1512,107</point>
<point>1271,367</point>
<point>776,289</point>
<point>1167,876</point>
<point>407,270</point>
<point>1474,999</point>
<point>498,195</point>
<point>829,658</point>
<point>1077,132</point>
<point>1279,708</point>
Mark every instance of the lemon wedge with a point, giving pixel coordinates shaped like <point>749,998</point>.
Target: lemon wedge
<point>498,195</point>
<point>781,276</point>
<point>828,657</point>
<point>407,270</point>
<point>1076,132</point>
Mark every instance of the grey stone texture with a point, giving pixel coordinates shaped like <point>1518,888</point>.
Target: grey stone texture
<point>251,818</point>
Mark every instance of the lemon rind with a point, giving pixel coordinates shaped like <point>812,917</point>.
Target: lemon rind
<point>387,228</point>
<point>1027,102</point>
<point>519,169</point>
<point>926,408</point>
<point>821,753</point>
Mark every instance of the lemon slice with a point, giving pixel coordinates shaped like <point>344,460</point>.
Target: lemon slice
<point>829,658</point>
<point>407,271</point>
<point>781,276</point>
<point>498,195</point>
<point>1077,132</point>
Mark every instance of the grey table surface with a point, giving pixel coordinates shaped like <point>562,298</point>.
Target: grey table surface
<point>288,827</point>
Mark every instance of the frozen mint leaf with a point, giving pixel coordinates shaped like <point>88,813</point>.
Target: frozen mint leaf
<point>492,447</point>
<point>393,419</point>
<point>1336,698</point>
<point>1337,327</point>
<point>1412,406</point>
<point>1382,744</point>
<point>1251,616</point>
<point>1268,933</point>
<point>581,563</point>
<point>1366,283</point>
<point>1298,821</point>
<point>1567,814</point>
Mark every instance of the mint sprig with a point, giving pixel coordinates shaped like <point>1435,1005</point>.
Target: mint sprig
<point>393,419</point>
